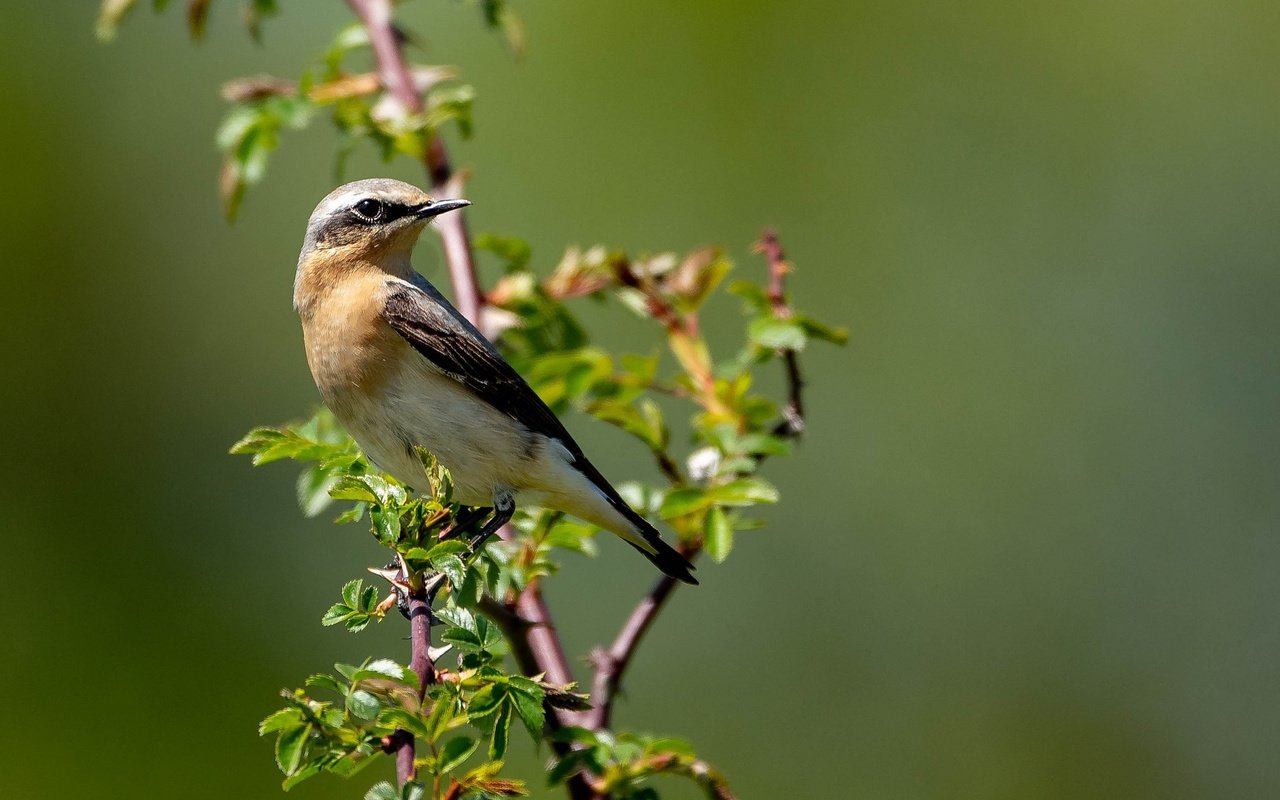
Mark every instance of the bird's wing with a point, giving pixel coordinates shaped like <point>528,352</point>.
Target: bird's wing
<point>458,350</point>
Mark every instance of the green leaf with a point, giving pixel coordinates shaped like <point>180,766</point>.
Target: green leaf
<point>527,697</point>
<point>351,592</point>
<point>313,491</point>
<point>387,668</point>
<point>718,535</point>
<point>763,444</point>
<point>322,681</point>
<point>777,334</point>
<point>399,718</point>
<point>463,639</point>
<point>382,791</point>
<point>413,790</point>
<point>459,617</point>
<point>452,547</point>
<point>745,492</point>
<point>819,330</point>
<point>455,752</point>
<point>353,514</point>
<point>442,713</point>
<point>352,487</point>
<point>386,525</point>
<point>309,771</point>
<point>452,567</point>
<point>688,500</point>
<point>485,701</point>
<point>289,747</point>
<point>670,745</point>
<point>336,615</point>
<point>501,731</point>
<point>754,297</point>
<point>284,718</point>
<point>364,704</point>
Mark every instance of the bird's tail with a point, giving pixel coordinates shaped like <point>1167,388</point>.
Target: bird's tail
<point>664,556</point>
<point>668,559</point>
<point>632,528</point>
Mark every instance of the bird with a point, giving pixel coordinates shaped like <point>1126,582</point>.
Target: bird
<point>402,369</point>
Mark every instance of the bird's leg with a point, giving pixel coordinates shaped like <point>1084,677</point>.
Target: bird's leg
<point>465,518</point>
<point>504,505</point>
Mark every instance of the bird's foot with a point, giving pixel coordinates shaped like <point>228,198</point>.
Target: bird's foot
<point>465,520</point>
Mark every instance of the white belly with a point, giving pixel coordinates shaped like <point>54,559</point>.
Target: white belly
<point>484,449</point>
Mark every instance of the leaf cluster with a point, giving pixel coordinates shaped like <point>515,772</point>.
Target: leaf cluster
<point>338,722</point>
<point>624,763</point>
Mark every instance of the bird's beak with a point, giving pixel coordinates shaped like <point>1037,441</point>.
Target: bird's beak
<point>438,207</point>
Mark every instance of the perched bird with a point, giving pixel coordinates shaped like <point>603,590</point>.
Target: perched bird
<point>400,368</point>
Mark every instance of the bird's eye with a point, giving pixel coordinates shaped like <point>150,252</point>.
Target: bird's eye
<point>369,209</point>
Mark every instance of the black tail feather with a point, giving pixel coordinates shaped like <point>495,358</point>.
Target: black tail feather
<point>665,557</point>
<point>669,561</point>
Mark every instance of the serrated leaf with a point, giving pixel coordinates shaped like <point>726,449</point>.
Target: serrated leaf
<point>501,731</point>
<point>382,791</point>
<point>485,701</point>
<point>452,567</point>
<point>289,746</point>
<point>463,639</point>
<point>322,681</point>
<point>455,752</point>
<point>284,718</point>
<point>389,669</point>
<point>527,698</point>
<point>386,525</point>
<point>364,704</point>
<point>352,487</point>
<point>451,547</point>
<point>351,592</point>
<point>413,791</point>
<point>309,771</point>
<point>336,615</point>
<point>400,718</point>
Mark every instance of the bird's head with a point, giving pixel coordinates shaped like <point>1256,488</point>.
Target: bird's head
<point>373,219</point>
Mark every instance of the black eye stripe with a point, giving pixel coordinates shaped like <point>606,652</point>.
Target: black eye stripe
<point>370,211</point>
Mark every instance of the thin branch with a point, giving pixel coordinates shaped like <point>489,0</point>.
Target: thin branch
<point>420,663</point>
<point>792,422</point>
<point>394,72</point>
<point>610,665</point>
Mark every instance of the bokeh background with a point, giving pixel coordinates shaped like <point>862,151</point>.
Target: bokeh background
<point>1029,550</point>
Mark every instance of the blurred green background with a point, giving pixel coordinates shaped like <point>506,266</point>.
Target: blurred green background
<point>1029,549</point>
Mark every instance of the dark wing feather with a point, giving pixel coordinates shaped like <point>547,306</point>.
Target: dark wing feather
<point>445,338</point>
<point>458,350</point>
